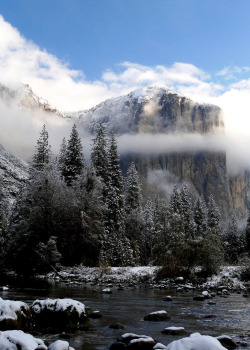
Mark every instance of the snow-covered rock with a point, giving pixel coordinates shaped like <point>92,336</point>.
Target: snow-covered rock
<point>174,330</point>
<point>18,340</point>
<point>196,341</point>
<point>161,315</point>
<point>60,345</point>
<point>106,291</point>
<point>63,314</point>
<point>14,315</point>
<point>159,346</point>
<point>227,341</point>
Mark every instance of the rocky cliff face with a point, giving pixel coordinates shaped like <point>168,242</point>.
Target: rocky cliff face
<point>25,98</point>
<point>152,110</point>
<point>159,110</point>
<point>13,173</point>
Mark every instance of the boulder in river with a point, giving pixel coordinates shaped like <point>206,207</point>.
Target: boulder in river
<point>161,315</point>
<point>174,330</point>
<point>60,345</point>
<point>167,298</point>
<point>16,339</point>
<point>196,341</point>
<point>95,314</point>
<point>59,314</point>
<point>227,342</point>
<point>106,291</point>
<point>14,315</point>
<point>116,326</point>
<point>199,297</point>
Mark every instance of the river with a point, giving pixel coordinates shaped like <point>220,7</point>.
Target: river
<point>129,306</point>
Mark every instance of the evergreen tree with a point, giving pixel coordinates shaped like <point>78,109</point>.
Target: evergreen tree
<point>200,216</point>
<point>62,156</point>
<point>175,201</point>
<point>147,232</point>
<point>213,216</point>
<point>232,242</point>
<point>212,254</point>
<point>114,216</point>
<point>247,236</point>
<point>89,192</point>
<point>43,153</point>
<point>133,210</point>
<point>186,207</point>
<point>73,157</point>
<point>99,155</point>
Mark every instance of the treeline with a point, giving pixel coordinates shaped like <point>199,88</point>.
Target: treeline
<point>70,212</point>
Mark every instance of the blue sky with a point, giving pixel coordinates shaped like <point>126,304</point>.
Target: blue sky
<point>96,35</point>
<point>78,53</point>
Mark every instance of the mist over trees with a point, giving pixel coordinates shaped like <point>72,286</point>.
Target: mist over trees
<point>70,212</point>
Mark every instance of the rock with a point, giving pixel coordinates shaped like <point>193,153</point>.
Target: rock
<point>95,314</point>
<point>196,342</point>
<point>245,295</point>
<point>242,343</point>
<point>174,330</point>
<point>199,298</point>
<point>206,295</point>
<point>106,291</point>
<point>16,339</point>
<point>210,316</point>
<point>146,343</point>
<point>159,346</point>
<point>211,303</point>
<point>60,345</point>
<point>227,342</point>
<point>14,315</point>
<point>157,316</point>
<point>60,314</point>
<point>116,326</point>
<point>167,298</point>
<point>127,337</point>
<point>117,346</point>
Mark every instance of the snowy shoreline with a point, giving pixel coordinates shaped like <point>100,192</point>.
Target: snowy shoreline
<point>228,276</point>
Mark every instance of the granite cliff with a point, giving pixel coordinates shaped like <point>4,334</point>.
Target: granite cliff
<point>158,110</point>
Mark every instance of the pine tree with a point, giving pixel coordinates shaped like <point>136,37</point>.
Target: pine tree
<point>186,207</point>
<point>232,242</point>
<point>212,254</point>
<point>43,154</point>
<point>247,236</point>
<point>175,201</point>
<point>73,159</point>
<point>99,155</point>
<point>89,192</point>
<point>133,210</point>
<point>62,156</point>
<point>133,196</point>
<point>147,232</point>
<point>200,216</point>
<point>114,216</point>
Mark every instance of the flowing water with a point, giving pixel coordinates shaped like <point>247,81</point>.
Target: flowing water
<point>129,306</point>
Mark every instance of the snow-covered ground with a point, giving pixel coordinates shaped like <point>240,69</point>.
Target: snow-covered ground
<point>228,276</point>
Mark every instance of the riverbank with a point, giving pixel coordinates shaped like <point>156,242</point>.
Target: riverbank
<point>229,276</point>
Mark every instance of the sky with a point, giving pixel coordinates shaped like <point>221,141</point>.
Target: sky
<point>78,53</point>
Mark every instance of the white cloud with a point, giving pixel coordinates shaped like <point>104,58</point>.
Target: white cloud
<point>67,89</point>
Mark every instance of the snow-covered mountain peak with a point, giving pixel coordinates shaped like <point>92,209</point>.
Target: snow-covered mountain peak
<point>24,98</point>
<point>149,93</point>
<point>151,109</point>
